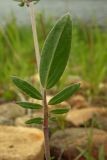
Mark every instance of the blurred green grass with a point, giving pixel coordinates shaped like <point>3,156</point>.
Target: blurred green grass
<point>87,60</point>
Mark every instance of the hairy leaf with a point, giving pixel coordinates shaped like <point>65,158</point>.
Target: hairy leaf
<point>27,88</point>
<point>28,105</point>
<point>55,52</point>
<point>64,94</point>
<point>38,120</point>
<point>59,111</point>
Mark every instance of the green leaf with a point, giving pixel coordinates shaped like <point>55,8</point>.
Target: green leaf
<point>59,111</point>
<point>35,121</point>
<point>64,94</point>
<point>56,52</point>
<point>27,88</point>
<point>28,105</point>
<point>21,4</point>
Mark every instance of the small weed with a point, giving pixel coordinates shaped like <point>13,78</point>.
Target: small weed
<point>50,66</point>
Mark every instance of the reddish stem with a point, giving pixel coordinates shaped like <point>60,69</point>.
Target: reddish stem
<point>46,127</point>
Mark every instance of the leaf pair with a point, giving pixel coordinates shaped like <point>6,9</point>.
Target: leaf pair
<point>56,52</point>
<point>54,57</point>
<point>34,93</point>
<point>39,120</point>
<point>62,96</point>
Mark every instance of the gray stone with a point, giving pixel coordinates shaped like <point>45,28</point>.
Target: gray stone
<point>11,110</point>
<point>66,142</point>
<point>5,121</point>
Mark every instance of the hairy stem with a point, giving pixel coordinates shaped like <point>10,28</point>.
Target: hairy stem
<point>37,53</point>
<point>46,129</point>
<point>35,36</point>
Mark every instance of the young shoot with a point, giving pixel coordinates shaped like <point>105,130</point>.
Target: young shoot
<point>51,64</point>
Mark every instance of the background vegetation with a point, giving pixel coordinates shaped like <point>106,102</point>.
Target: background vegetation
<point>87,61</point>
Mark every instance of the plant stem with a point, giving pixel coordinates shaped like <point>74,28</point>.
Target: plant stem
<point>46,129</point>
<point>35,36</point>
<point>43,91</point>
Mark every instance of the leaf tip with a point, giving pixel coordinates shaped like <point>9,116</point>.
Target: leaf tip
<point>67,16</point>
<point>13,78</point>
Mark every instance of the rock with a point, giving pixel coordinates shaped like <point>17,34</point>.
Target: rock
<point>103,87</point>
<point>85,85</point>
<point>102,122</point>
<point>11,110</point>
<point>99,100</point>
<point>78,101</point>
<point>65,143</point>
<point>20,121</point>
<point>73,79</point>
<point>80,116</point>
<point>20,143</point>
<point>5,121</point>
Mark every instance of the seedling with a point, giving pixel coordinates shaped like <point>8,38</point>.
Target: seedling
<point>51,65</point>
